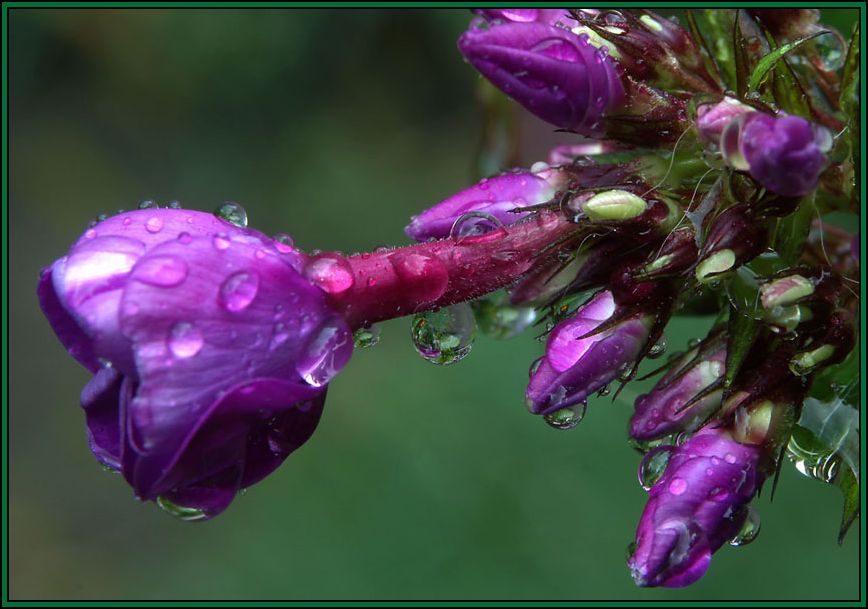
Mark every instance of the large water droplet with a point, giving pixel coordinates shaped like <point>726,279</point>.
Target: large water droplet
<point>239,290</point>
<point>657,350</point>
<point>331,274</point>
<point>749,530</point>
<point>567,418</point>
<point>185,340</point>
<point>232,212</point>
<point>283,243</point>
<point>653,465</point>
<point>366,337</point>
<point>474,223</point>
<point>811,460</point>
<point>148,204</point>
<point>187,514</point>
<point>161,271</point>
<point>446,335</point>
<point>325,353</point>
<point>831,50</point>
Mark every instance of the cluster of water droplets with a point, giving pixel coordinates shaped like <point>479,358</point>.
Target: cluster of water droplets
<point>446,335</point>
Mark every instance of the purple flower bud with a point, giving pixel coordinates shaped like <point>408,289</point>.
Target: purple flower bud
<point>667,408</point>
<point>712,119</point>
<point>735,237</point>
<point>557,75</point>
<point>698,504</point>
<point>785,154</point>
<point>496,197</point>
<point>575,366</point>
<point>550,16</point>
<point>211,352</point>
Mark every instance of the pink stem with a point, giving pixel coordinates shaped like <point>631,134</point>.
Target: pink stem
<point>372,287</point>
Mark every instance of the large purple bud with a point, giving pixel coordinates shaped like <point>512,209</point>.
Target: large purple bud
<point>585,353</point>
<point>210,351</point>
<point>555,74</point>
<point>700,502</point>
<point>685,397</point>
<point>785,154</point>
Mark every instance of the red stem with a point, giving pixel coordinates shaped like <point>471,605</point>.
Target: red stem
<point>430,275</point>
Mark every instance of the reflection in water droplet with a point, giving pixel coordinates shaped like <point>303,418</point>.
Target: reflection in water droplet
<point>187,514</point>
<point>148,204</point>
<point>233,213</point>
<point>567,418</point>
<point>185,340</point>
<point>366,337</point>
<point>239,290</point>
<point>812,459</point>
<point>161,271</point>
<point>657,350</point>
<point>653,465</point>
<point>499,319</point>
<point>749,530</point>
<point>283,243</point>
<point>446,335</point>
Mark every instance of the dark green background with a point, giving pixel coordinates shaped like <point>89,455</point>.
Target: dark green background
<point>422,481</point>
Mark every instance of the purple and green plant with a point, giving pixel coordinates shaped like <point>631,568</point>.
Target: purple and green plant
<point>698,166</point>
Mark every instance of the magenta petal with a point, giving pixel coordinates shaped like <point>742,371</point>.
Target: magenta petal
<point>71,336</point>
<point>206,317</point>
<point>100,400</point>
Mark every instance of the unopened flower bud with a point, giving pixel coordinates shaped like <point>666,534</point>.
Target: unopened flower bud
<point>614,205</point>
<point>712,119</point>
<point>553,73</point>
<point>579,362</point>
<point>735,238</point>
<point>831,347</point>
<point>785,291</point>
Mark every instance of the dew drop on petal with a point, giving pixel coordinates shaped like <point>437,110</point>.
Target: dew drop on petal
<point>678,486</point>
<point>148,204</point>
<point>326,353</point>
<point>161,271</point>
<point>187,514</point>
<point>653,465</point>
<point>153,224</point>
<point>221,241</point>
<point>239,290</point>
<point>185,340</point>
<point>233,213</point>
<point>284,243</point>
<point>331,274</point>
<point>749,530</point>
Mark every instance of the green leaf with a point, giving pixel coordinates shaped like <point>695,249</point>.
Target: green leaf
<point>739,47</point>
<point>768,62</point>
<point>849,485</point>
<point>792,231</point>
<point>742,331</point>
<point>849,101</point>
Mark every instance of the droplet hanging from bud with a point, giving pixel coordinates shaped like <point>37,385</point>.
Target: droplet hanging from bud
<point>567,418</point>
<point>444,336</point>
<point>187,514</point>
<point>232,212</point>
<point>749,530</point>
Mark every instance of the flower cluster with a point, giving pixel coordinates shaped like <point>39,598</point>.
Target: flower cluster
<point>696,169</point>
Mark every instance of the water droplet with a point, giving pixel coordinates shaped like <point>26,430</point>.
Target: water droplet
<point>90,234</point>
<point>653,465</point>
<point>185,340</point>
<point>239,290</point>
<point>678,486</point>
<point>604,391</point>
<point>631,549</point>
<point>154,224</point>
<point>473,224</point>
<point>657,350</point>
<point>729,458</point>
<point>446,335</point>
<point>534,366</point>
<point>749,530</point>
<point>331,274</point>
<point>221,241</point>
<point>284,243</point>
<point>161,271</point>
<point>366,337</point>
<point>233,213</point>
<point>831,50</point>
<point>187,514</point>
<point>567,418</point>
<point>809,461</point>
<point>185,238</point>
<point>148,204</point>
<point>694,342</point>
<point>325,354</point>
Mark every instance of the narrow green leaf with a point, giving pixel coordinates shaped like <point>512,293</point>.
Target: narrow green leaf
<point>768,62</point>
<point>739,47</point>
<point>792,231</point>
<point>742,333</point>
<point>849,485</point>
<point>849,101</point>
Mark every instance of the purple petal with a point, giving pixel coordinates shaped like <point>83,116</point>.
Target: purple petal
<point>205,317</point>
<point>70,334</point>
<point>100,399</point>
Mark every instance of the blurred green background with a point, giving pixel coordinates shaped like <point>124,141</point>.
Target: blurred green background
<point>421,481</point>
